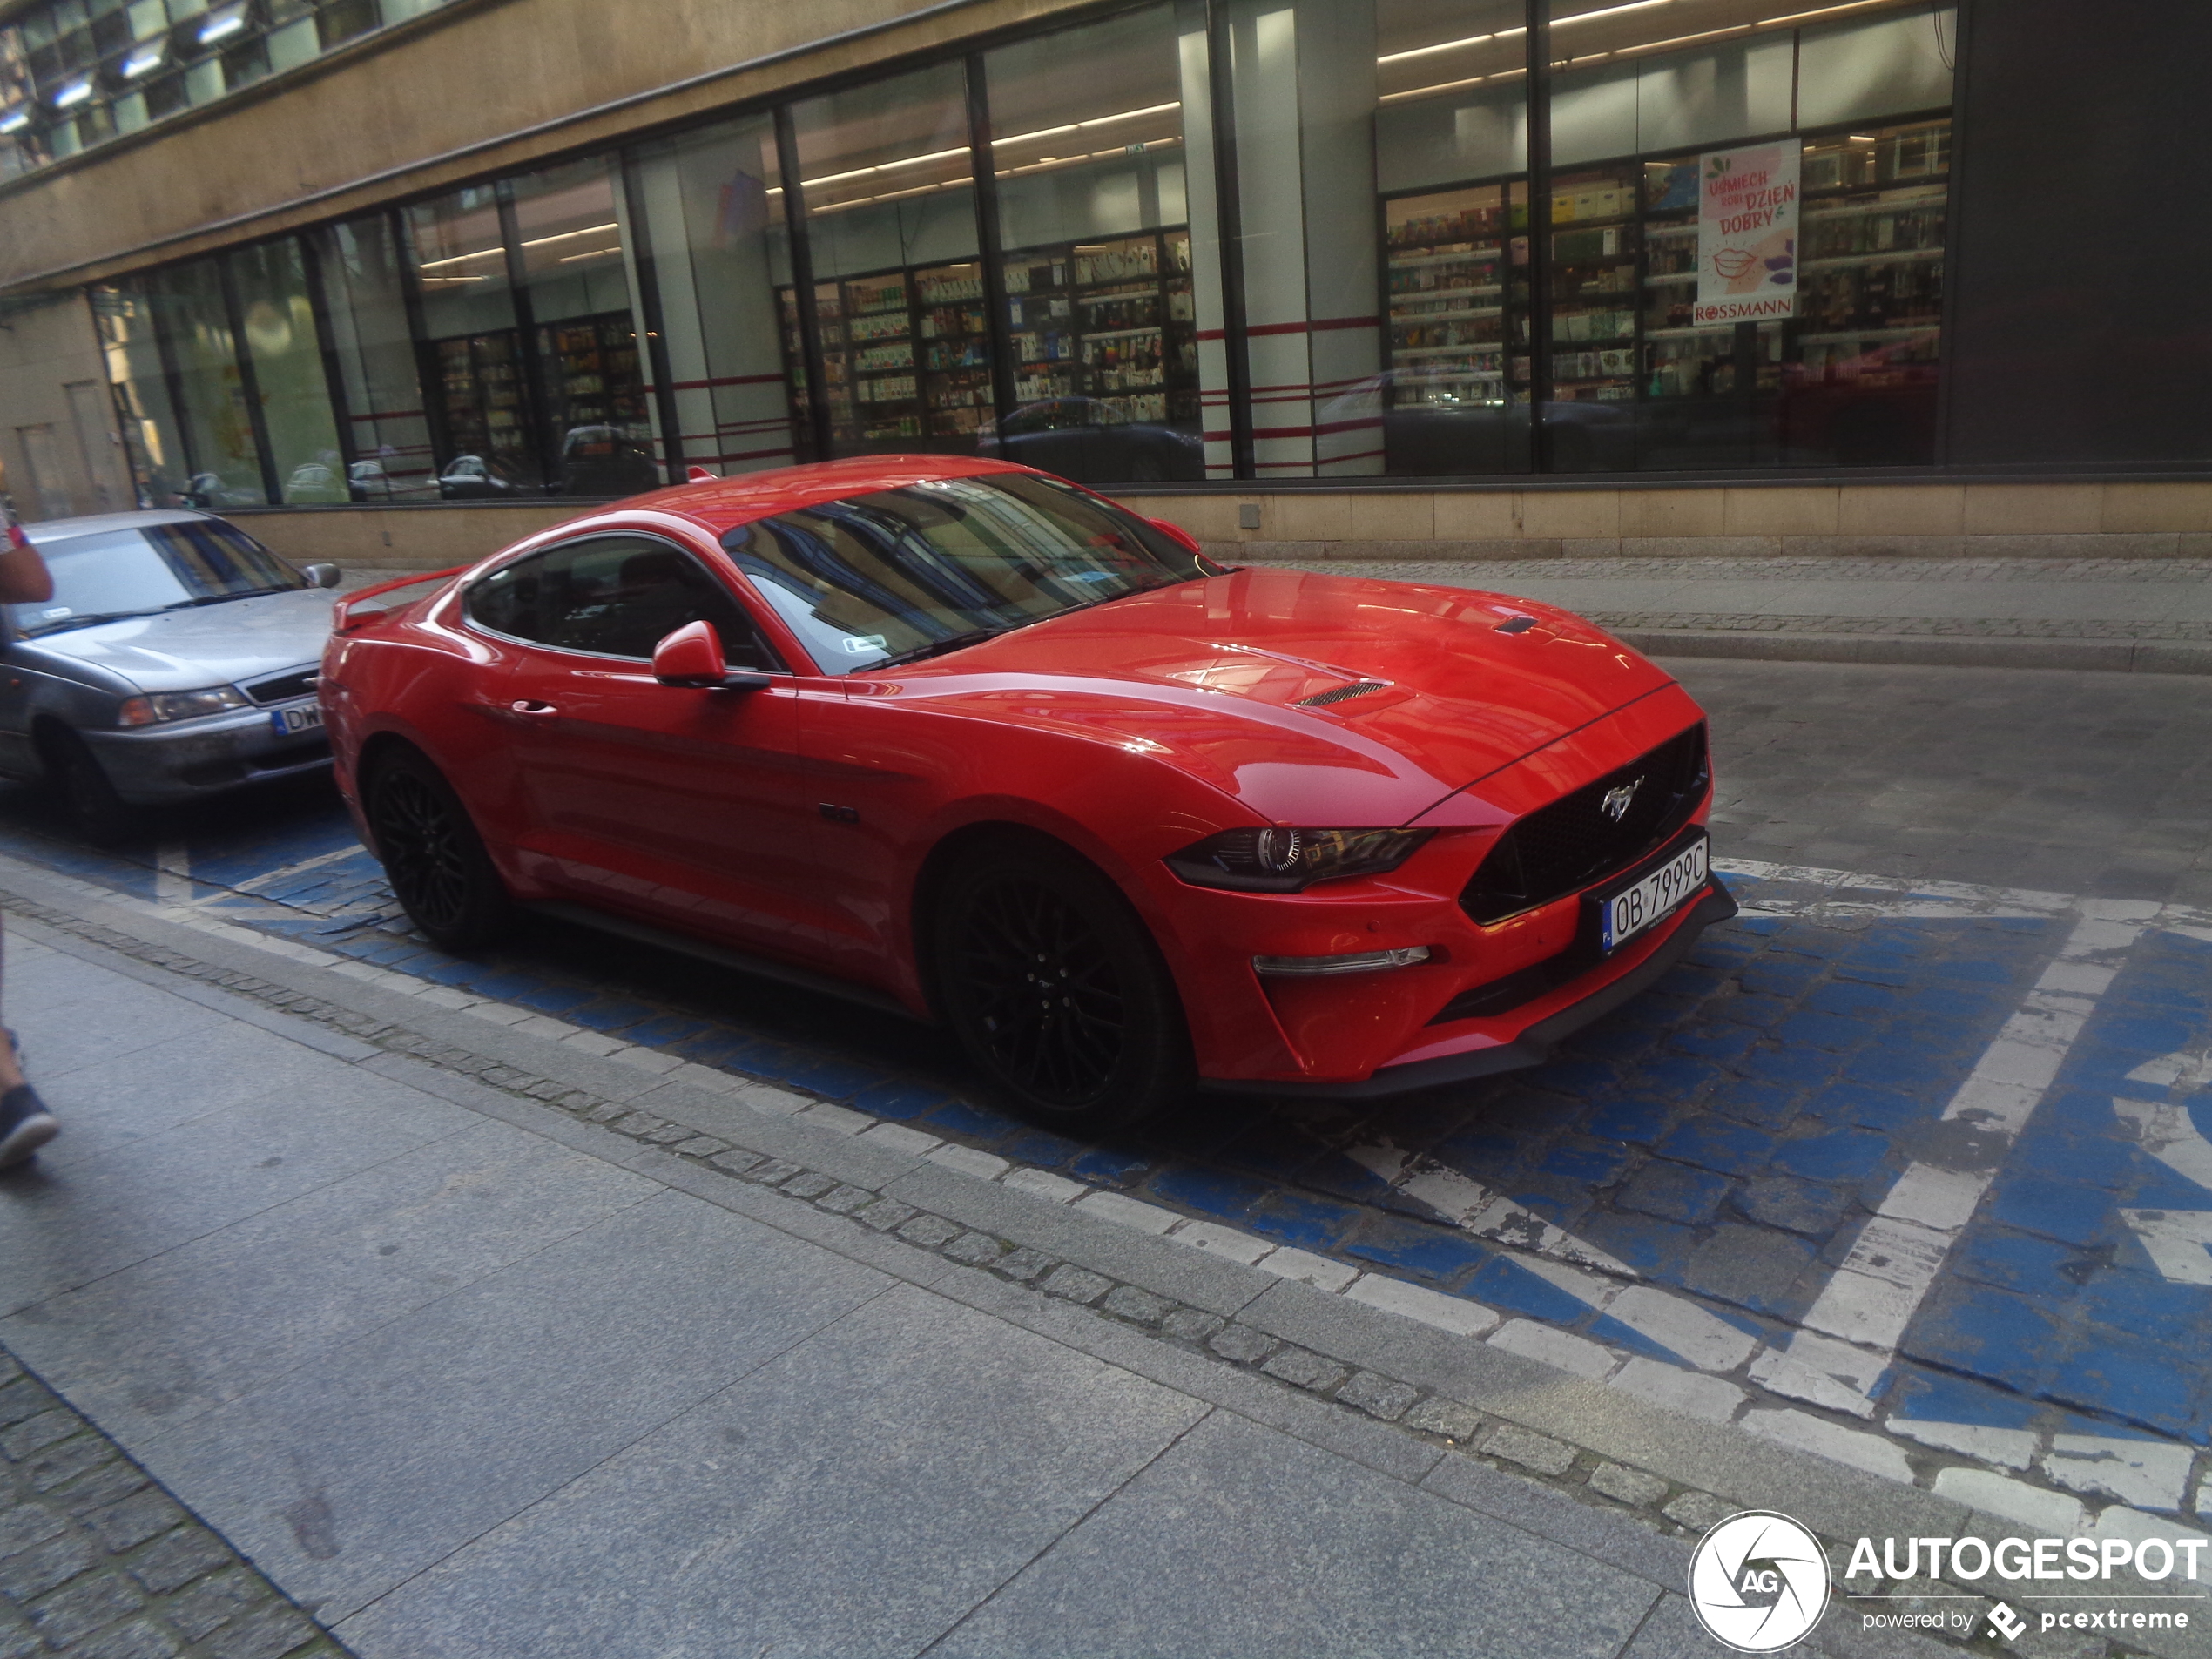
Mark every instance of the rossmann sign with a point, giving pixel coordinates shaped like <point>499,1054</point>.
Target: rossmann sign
<point>1747,234</point>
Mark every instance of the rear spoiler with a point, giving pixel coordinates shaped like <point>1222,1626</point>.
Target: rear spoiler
<point>345,614</point>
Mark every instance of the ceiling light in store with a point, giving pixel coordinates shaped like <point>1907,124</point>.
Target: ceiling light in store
<point>71,95</point>
<point>1130,115</point>
<point>463,259</point>
<point>221,24</point>
<point>15,120</point>
<point>1825,11</point>
<point>1449,46</point>
<point>1041,133</point>
<point>1862,137</point>
<point>565,236</point>
<point>1450,87</point>
<point>145,60</point>
<point>595,253</point>
<point>1608,12</point>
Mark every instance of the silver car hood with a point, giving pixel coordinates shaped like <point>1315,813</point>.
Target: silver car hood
<point>182,651</point>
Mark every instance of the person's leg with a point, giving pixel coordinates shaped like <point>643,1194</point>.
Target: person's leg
<point>25,1125</point>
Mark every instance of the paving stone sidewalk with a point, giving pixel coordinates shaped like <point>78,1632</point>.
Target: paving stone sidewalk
<point>2064,613</point>
<point>97,1562</point>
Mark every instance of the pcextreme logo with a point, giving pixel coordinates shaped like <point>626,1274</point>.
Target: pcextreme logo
<point>1758,1581</point>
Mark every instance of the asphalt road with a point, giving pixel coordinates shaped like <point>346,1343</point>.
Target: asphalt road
<point>1919,1140</point>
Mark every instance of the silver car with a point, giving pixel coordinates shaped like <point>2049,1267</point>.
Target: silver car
<point>177,659</point>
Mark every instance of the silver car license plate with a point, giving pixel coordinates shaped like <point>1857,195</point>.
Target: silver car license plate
<point>1624,915</point>
<point>291,718</point>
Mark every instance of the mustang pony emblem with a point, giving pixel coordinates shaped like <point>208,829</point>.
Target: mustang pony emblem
<point>1616,804</point>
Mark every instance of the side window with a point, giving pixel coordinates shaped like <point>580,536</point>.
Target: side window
<point>614,595</point>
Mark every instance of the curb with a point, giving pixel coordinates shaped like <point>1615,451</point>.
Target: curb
<point>1943,651</point>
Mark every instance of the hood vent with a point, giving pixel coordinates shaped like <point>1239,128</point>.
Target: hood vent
<point>1341,694</point>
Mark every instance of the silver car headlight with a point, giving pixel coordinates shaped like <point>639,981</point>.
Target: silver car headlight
<point>162,706</point>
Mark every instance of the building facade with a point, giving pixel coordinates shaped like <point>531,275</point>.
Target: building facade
<point>1345,273</point>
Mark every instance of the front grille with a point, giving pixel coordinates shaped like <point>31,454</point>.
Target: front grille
<point>282,688</point>
<point>1564,847</point>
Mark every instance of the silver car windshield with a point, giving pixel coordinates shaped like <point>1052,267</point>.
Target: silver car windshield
<point>149,568</point>
<point>901,574</point>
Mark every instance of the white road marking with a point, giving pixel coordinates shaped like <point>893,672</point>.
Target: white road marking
<point>1851,1331</point>
<point>172,874</point>
<point>270,878</point>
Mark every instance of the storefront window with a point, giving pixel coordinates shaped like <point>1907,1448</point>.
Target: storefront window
<point>366,306</point>
<point>286,350</point>
<point>474,367</point>
<point>1729,284</point>
<point>1102,320</point>
<point>711,232</point>
<point>595,424</point>
<point>1452,157</point>
<point>145,419</point>
<point>890,220</point>
<point>201,361</point>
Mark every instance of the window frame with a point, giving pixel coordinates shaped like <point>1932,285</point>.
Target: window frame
<point>766,645</point>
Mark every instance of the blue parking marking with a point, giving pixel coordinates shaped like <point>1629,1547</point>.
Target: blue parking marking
<point>2054,1293</point>
<point>1721,1141</point>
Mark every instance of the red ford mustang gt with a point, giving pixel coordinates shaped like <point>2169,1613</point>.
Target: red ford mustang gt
<point>961,739</point>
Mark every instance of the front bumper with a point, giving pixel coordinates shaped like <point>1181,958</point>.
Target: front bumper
<point>1487,1057</point>
<point>185,760</point>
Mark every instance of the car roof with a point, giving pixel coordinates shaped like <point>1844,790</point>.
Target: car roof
<point>57,529</point>
<point>723,504</point>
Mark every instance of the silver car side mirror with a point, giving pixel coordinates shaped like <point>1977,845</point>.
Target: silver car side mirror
<point>322,576</point>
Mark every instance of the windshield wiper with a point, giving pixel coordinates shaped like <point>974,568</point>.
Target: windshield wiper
<point>222,598</point>
<point>952,642</point>
<point>93,619</point>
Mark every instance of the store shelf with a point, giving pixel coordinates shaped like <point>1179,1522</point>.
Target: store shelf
<point>1421,262</point>
<point>1886,256</point>
<point>1414,319</point>
<point>1852,336</point>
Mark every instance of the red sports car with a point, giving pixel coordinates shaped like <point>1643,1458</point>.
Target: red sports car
<point>962,738</point>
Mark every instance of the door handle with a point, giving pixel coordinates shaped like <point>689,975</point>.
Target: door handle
<point>531,705</point>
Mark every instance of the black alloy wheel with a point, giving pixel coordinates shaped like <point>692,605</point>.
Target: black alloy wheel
<point>433,856</point>
<point>1056,990</point>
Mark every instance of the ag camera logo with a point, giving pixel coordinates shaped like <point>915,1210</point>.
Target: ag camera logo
<point>1758,1581</point>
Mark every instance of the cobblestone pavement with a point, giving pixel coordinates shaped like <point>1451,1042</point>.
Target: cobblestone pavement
<point>97,1562</point>
<point>1718,1183</point>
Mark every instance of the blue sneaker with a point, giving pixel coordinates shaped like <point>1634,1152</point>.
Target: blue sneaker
<point>26,1125</point>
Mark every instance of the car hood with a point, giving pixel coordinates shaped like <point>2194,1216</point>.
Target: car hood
<point>1212,674</point>
<point>179,650</point>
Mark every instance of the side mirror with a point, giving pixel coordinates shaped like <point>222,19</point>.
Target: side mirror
<point>691,657</point>
<point>322,576</point>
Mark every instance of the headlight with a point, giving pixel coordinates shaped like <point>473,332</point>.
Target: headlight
<point>1288,860</point>
<point>180,705</point>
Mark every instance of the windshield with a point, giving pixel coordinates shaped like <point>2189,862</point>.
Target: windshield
<point>147,567</point>
<point>905,572</point>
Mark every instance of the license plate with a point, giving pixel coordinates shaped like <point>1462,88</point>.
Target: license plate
<point>1626,913</point>
<point>295,717</point>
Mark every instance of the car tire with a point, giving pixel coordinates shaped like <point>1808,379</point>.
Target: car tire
<point>87,796</point>
<point>1054,988</point>
<point>433,856</point>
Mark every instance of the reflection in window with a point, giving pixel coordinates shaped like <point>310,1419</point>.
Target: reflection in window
<point>1087,147</point>
<point>201,358</point>
<point>146,421</point>
<point>596,423</point>
<point>286,355</point>
<point>891,229</point>
<point>713,225</point>
<point>901,572</point>
<point>360,263</point>
<point>473,356</point>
